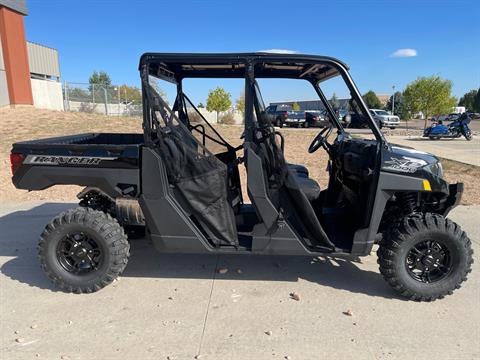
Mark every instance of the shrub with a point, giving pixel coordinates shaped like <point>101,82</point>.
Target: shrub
<point>227,119</point>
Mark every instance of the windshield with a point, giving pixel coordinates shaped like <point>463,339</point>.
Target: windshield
<point>349,112</point>
<point>381,112</point>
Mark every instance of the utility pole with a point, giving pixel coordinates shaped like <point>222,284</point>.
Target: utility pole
<point>393,100</point>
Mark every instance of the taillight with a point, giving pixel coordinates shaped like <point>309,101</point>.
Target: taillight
<point>315,118</point>
<point>285,115</point>
<point>16,160</point>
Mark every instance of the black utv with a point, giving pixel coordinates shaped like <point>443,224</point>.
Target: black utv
<point>179,181</point>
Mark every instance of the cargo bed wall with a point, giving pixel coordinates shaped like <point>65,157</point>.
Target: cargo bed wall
<point>107,161</point>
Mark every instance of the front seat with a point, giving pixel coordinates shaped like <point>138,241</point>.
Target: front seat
<point>301,170</point>
<point>309,187</point>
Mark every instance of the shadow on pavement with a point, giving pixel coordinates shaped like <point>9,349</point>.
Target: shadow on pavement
<point>20,231</point>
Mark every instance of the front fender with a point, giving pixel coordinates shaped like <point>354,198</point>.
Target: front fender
<point>388,184</point>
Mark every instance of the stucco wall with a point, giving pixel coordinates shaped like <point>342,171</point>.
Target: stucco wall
<point>47,94</point>
<point>4,99</point>
<point>15,57</point>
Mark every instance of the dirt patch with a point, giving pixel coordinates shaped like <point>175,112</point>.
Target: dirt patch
<point>30,123</point>
<point>468,175</point>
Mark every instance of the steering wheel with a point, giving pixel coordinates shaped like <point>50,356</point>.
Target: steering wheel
<point>321,140</point>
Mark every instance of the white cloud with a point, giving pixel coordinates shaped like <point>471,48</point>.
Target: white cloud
<point>404,53</point>
<point>279,51</point>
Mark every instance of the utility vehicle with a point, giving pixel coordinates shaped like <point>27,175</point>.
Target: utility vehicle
<point>180,182</point>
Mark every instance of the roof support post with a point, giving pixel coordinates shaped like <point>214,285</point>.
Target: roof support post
<point>249,81</point>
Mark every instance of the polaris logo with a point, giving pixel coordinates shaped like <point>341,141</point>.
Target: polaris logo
<point>64,160</point>
<point>406,164</point>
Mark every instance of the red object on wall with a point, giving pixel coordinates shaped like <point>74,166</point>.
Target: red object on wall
<point>15,57</point>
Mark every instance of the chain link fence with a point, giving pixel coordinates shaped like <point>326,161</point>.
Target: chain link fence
<point>103,99</point>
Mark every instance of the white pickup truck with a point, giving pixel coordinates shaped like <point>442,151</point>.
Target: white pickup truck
<point>383,118</point>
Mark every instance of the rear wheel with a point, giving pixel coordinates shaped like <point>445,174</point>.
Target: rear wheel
<point>82,250</point>
<point>425,257</point>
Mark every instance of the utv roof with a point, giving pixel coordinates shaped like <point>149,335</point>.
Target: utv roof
<point>177,66</point>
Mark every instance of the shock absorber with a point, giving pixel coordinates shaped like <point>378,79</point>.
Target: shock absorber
<point>408,202</point>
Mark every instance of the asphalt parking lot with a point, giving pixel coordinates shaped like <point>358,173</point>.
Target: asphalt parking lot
<point>179,306</point>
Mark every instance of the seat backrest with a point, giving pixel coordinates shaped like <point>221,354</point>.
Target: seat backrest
<point>280,184</point>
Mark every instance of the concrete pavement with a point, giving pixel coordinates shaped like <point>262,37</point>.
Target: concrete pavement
<point>177,306</point>
<point>460,149</point>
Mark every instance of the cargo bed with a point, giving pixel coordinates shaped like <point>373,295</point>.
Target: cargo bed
<point>108,161</point>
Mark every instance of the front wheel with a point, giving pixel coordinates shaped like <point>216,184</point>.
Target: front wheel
<point>468,135</point>
<point>82,250</point>
<point>425,257</point>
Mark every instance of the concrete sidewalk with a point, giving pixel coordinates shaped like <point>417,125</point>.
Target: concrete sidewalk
<point>467,152</point>
<point>177,306</point>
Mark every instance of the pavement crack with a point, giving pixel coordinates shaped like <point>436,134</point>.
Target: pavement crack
<point>208,306</point>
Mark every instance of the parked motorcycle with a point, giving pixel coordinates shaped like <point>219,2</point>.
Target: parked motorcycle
<point>455,129</point>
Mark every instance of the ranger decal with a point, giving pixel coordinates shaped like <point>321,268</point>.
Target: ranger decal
<point>64,160</point>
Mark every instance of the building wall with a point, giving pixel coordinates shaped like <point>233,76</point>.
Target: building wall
<point>43,60</point>
<point>17,5</point>
<point>47,94</point>
<point>15,57</point>
<point>306,105</point>
<point>4,98</point>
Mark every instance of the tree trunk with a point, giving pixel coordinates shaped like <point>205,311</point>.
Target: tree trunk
<point>426,118</point>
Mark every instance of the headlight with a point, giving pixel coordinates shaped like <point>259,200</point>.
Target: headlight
<point>436,169</point>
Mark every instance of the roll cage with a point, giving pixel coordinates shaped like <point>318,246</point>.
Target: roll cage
<point>174,67</point>
<point>207,182</point>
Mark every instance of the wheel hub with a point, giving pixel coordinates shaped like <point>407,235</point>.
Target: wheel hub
<point>79,253</point>
<point>428,261</point>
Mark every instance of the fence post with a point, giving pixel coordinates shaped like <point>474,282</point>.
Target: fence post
<point>118,99</point>
<point>66,105</point>
<point>106,100</point>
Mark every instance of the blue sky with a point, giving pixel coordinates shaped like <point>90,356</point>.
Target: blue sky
<point>111,36</point>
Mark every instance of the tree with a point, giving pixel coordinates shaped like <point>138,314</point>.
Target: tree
<point>372,100</point>
<point>476,103</point>
<point>399,106</point>
<point>334,103</point>
<point>100,87</point>
<point>218,100</point>
<point>468,100</point>
<point>99,78</point>
<point>295,106</point>
<point>429,95</point>
<point>240,104</point>
<point>200,105</point>
<point>130,94</point>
